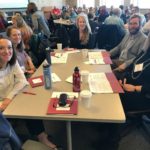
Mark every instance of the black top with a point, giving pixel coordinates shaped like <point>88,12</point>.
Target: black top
<point>76,43</point>
<point>141,77</point>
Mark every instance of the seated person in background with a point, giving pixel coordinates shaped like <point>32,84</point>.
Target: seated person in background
<point>24,60</point>
<point>50,21</point>
<point>146,27</point>
<point>103,14</point>
<point>93,24</point>
<point>136,82</point>
<point>136,11</point>
<point>56,12</point>
<point>2,27</point>
<point>129,47</point>
<point>3,19</point>
<point>80,36</point>
<point>12,81</point>
<point>39,23</point>
<point>115,18</point>
<point>26,30</point>
<point>73,14</point>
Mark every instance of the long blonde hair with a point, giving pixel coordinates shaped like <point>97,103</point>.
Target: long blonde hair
<point>24,28</point>
<point>86,33</point>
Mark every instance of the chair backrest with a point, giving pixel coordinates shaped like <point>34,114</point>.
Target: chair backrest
<point>63,36</point>
<point>38,43</point>
<point>109,36</point>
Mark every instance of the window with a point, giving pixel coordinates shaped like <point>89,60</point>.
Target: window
<point>109,3</point>
<point>141,3</point>
<point>87,3</point>
<point>13,4</point>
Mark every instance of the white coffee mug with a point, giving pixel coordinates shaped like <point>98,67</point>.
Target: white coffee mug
<point>86,98</point>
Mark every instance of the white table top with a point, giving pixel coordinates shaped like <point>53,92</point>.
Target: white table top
<point>63,22</point>
<point>104,107</point>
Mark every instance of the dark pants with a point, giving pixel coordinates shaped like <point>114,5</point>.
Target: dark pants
<point>35,127</point>
<point>134,101</point>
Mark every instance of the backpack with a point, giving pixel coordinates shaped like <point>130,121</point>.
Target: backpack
<point>8,138</point>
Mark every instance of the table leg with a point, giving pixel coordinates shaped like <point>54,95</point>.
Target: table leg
<point>69,136</point>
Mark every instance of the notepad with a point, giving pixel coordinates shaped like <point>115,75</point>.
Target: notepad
<point>36,81</point>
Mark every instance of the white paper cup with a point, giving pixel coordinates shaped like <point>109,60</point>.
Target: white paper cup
<point>59,46</point>
<point>86,98</point>
<point>84,53</point>
<point>85,76</point>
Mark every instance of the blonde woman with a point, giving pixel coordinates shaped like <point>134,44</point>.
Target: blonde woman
<point>80,36</point>
<point>26,31</point>
<point>24,60</point>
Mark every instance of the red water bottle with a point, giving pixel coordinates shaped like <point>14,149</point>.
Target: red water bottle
<point>76,80</point>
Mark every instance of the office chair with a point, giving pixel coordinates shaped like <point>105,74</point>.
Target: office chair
<point>109,36</point>
<point>139,119</point>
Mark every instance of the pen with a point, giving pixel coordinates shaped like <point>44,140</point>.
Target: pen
<point>29,93</point>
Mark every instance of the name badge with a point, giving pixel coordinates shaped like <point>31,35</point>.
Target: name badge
<point>138,67</point>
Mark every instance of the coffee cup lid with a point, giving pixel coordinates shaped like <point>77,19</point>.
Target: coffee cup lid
<point>86,93</point>
<point>84,72</point>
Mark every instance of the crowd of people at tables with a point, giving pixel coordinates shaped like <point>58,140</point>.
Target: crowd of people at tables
<point>130,57</point>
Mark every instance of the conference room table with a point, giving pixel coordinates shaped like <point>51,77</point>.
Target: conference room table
<point>105,108</point>
<point>63,22</point>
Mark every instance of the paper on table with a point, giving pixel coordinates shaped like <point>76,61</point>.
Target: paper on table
<point>69,79</point>
<point>96,61</point>
<point>59,58</point>
<point>96,58</point>
<point>55,78</point>
<point>38,80</point>
<point>66,107</point>
<point>95,55</point>
<point>98,83</point>
<point>70,94</point>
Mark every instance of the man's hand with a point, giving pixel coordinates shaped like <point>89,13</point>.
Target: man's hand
<point>5,103</point>
<point>120,68</point>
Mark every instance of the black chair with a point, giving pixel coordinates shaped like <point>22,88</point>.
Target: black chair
<point>93,25</point>
<point>109,36</point>
<point>137,119</point>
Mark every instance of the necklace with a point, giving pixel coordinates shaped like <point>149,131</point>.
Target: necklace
<point>144,62</point>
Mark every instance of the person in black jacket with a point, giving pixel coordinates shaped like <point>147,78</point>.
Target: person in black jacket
<point>81,36</point>
<point>136,83</point>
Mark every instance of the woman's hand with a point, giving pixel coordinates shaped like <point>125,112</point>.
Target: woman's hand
<point>30,68</point>
<point>127,87</point>
<point>5,103</point>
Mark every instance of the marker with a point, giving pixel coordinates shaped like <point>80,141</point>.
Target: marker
<point>30,93</point>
